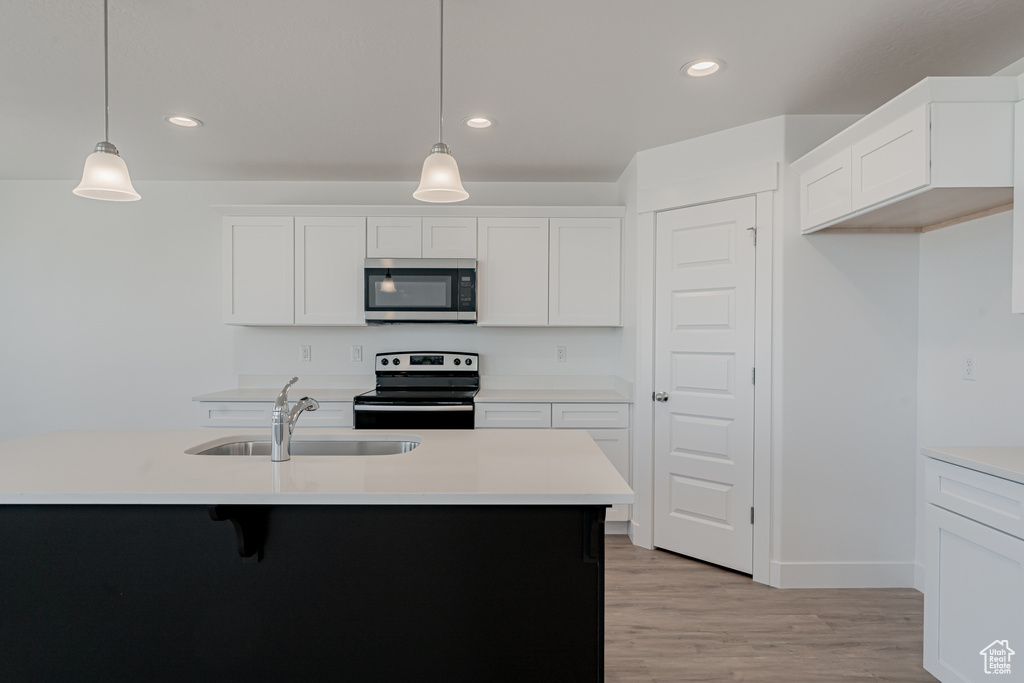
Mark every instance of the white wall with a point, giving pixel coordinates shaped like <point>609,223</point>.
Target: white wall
<point>965,277</point>
<point>112,311</point>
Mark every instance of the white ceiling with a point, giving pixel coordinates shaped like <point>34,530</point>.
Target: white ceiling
<point>347,89</point>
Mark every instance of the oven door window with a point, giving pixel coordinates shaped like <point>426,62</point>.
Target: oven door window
<point>420,289</point>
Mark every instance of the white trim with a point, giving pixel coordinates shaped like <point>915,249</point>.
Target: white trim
<point>712,188</point>
<point>765,223</point>
<point>616,528</point>
<point>420,210</point>
<point>844,574</point>
<point>919,577</point>
<point>641,529</point>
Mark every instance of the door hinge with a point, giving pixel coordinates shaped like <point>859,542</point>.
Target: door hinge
<point>751,515</point>
<point>754,231</point>
<point>753,375</point>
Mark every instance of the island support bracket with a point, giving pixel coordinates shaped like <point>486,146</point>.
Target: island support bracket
<point>250,522</point>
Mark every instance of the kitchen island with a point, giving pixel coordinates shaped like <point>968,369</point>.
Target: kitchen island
<point>478,555</point>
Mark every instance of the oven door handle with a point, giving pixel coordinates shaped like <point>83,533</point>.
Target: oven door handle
<point>376,407</point>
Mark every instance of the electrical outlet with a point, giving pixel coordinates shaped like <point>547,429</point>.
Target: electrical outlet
<point>969,368</point>
<point>304,353</point>
<point>357,353</point>
<point>560,354</point>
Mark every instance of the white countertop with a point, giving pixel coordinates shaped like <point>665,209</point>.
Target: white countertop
<point>269,395</point>
<point>266,395</point>
<point>550,396</point>
<point>1000,461</point>
<point>457,467</point>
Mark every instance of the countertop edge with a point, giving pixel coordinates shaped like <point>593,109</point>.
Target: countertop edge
<point>982,459</point>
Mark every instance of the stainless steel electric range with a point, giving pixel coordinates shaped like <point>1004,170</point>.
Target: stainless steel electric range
<point>420,390</point>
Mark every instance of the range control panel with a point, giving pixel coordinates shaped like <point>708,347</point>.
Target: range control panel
<point>426,361</point>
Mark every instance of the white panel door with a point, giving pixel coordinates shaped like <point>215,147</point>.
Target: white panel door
<point>449,237</point>
<point>704,358</point>
<point>512,271</point>
<point>585,256</point>
<point>394,237</point>
<point>329,271</point>
<point>259,270</point>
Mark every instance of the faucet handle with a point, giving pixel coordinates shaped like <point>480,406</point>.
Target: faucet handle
<point>282,398</point>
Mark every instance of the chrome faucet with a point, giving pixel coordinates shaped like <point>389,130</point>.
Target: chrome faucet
<point>283,422</point>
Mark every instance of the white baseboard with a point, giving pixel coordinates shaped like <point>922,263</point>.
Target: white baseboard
<point>844,574</point>
<point>919,577</point>
<point>616,528</point>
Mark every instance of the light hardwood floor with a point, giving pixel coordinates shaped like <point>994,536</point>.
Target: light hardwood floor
<point>669,618</point>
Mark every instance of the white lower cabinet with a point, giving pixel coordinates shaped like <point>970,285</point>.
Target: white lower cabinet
<point>974,590</point>
<point>606,423</point>
<point>257,415</point>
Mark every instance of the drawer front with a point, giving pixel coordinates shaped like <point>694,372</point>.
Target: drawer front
<point>590,415</point>
<point>513,416</point>
<point>235,414</point>
<point>232,414</point>
<point>995,502</point>
<point>328,415</point>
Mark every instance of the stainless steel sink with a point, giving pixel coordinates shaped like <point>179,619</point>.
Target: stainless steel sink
<point>363,446</point>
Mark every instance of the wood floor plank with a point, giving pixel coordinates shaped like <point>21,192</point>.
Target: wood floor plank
<point>671,619</point>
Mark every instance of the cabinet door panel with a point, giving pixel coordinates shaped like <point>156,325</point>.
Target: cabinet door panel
<point>449,238</point>
<point>825,191</point>
<point>259,270</point>
<point>974,594</point>
<point>329,271</point>
<point>585,266</point>
<point>893,161</point>
<point>512,271</point>
<point>394,237</point>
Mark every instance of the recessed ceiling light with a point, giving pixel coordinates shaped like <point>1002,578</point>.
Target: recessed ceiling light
<point>478,122</point>
<point>183,121</point>
<point>702,67</point>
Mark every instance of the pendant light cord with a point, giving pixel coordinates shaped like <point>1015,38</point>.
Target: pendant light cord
<point>106,80</point>
<point>440,98</point>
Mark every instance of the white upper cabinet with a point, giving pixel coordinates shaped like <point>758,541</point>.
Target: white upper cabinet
<point>938,154</point>
<point>1017,304</point>
<point>329,271</point>
<point>585,271</point>
<point>394,237</point>
<point>891,161</point>
<point>287,271</point>
<point>512,271</point>
<point>449,237</point>
<point>826,191</point>
<point>259,270</point>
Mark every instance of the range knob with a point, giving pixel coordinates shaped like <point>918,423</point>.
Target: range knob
<point>469,361</point>
<point>457,361</point>
<point>384,361</point>
<point>396,362</point>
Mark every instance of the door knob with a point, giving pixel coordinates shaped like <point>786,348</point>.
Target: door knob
<point>661,397</point>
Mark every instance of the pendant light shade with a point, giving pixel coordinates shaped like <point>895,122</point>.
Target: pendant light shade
<point>106,175</point>
<point>387,285</point>
<point>440,182</point>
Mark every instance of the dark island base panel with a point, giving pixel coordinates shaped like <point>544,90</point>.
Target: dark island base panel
<point>369,593</point>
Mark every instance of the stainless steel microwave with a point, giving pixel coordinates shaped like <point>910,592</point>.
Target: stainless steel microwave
<point>420,290</point>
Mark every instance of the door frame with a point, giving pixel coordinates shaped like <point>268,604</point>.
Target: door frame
<point>762,183</point>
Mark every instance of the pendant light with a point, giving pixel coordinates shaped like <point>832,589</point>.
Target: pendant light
<point>440,182</point>
<point>106,175</point>
<point>387,285</point>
